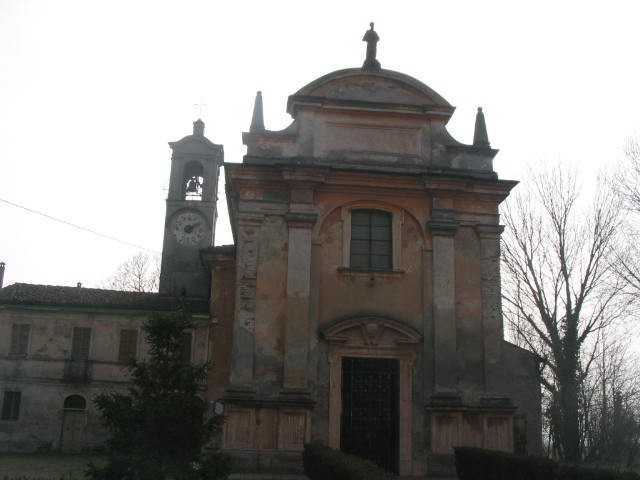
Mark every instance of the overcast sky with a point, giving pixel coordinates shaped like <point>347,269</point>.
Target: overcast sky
<point>91,92</point>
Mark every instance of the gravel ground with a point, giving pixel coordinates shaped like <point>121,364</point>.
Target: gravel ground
<point>46,466</point>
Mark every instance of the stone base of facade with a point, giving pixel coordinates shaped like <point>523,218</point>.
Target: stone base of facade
<point>487,424</point>
<point>267,436</point>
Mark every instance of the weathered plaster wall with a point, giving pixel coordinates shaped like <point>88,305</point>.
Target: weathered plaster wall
<point>345,292</point>
<point>40,374</point>
<point>271,315</point>
<point>520,380</point>
<point>469,339</point>
<point>223,306</point>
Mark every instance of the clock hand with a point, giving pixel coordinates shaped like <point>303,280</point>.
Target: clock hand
<point>191,228</point>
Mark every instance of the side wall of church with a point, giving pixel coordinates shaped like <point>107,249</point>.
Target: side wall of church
<point>520,379</point>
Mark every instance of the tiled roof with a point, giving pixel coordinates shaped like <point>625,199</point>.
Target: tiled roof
<point>53,295</point>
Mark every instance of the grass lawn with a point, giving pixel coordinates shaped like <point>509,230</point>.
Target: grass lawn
<point>49,466</point>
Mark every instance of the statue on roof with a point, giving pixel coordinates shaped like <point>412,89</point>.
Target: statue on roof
<point>371,37</point>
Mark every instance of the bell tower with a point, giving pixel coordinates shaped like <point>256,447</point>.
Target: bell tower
<point>191,216</point>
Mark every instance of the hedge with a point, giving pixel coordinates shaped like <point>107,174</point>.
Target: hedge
<point>324,463</point>
<point>479,464</point>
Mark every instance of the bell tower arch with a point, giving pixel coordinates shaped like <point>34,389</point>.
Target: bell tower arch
<point>191,214</point>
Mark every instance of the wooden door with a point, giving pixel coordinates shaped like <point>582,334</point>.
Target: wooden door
<point>73,429</point>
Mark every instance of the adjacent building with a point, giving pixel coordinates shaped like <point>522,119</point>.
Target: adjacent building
<point>62,346</point>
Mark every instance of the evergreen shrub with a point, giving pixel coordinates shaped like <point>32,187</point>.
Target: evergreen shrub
<point>480,464</point>
<point>161,428</point>
<point>324,463</point>
<point>583,472</point>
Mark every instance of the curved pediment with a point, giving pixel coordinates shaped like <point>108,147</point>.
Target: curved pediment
<point>371,331</point>
<point>382,86</point>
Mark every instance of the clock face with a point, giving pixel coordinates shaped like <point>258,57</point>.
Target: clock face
<point>189,228</point>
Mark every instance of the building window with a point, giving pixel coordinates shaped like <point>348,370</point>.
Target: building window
<point>75,402</point>
<point>19,339</point>
<point>128,345</point>
<point>11,405</point>
<point>371,245</point>
<point>81,342</point>
<point>185,352</point>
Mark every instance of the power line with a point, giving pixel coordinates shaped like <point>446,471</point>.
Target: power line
<point>109,237</point>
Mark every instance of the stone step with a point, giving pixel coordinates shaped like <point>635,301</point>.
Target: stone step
<point>293,476</point>
<point>267,476</point>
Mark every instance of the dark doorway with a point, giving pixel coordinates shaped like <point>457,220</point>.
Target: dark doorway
<point>369,423</point>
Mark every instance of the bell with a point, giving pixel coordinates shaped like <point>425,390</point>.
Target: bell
<point>192,186</point>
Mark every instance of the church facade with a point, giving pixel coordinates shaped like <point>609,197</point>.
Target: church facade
<point>360,302</point>
<point>359,305</point>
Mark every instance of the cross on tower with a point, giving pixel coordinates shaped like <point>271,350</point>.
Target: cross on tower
<point>200,106</point>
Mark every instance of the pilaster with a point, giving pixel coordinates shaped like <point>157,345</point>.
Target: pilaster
<point>242,359</point>
<point>492,327</point>
<point>443,227</point>
<point>298,290</point>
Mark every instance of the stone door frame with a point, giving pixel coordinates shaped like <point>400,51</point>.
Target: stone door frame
<point>374,337</point>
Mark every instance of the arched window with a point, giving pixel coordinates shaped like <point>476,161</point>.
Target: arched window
<point>192,181</point>
<point>75,402</point>
<point>371,240</point>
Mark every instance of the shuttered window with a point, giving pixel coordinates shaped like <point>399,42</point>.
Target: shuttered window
<point>20,339</point>
<point>11,405</point>
<point>371,240</point>
<point>128,345</point>
<point>81,342</point>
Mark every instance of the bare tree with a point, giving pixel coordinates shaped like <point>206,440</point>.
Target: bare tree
<point>610,400</point>
<point>627,179</point>
<point>559,288</point>
<point>626,183</point>
<point>139,273</point>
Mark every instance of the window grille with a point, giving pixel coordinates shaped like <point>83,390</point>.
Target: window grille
<point>371,240</point>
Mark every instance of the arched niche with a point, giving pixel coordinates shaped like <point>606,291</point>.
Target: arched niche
<point>406,230</point>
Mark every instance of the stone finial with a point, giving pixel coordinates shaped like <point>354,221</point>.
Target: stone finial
<point>480,137</point>
<point>198,128</point>
<point>257,121</point>
<point>371,37</point>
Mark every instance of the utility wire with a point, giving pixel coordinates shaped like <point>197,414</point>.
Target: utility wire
<point>109,237</point>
